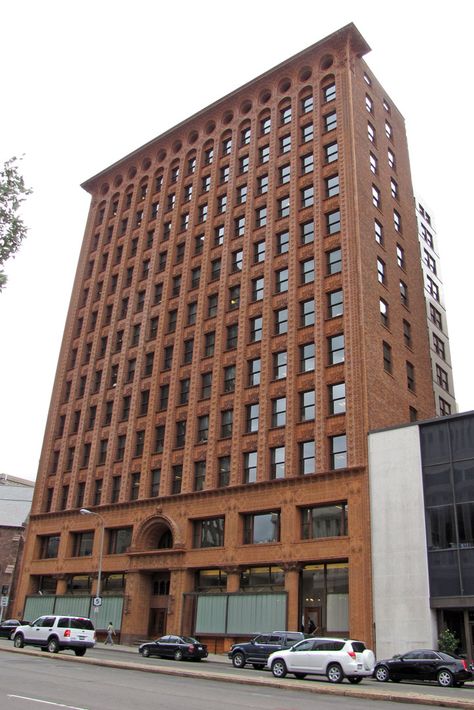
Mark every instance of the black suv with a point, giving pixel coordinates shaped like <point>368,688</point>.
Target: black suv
<point>259,648</point>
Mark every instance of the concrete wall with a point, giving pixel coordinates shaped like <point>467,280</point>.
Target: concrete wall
<point>402,614</point>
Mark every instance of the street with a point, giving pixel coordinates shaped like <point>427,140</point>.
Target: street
<point>30,682</point>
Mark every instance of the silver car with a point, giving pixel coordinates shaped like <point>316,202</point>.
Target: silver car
<point>334,658</point>
<point>54,633</point>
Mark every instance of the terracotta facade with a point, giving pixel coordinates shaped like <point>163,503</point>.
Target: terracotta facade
<point>225,355</point>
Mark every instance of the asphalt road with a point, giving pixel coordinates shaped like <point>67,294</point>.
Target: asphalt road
<point>30,683</point>
<point>154,672</point>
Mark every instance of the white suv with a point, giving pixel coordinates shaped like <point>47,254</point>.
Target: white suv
<point>335,658</point>
<point>53,633</point>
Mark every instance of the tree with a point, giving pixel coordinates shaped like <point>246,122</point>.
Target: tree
<point>12,228</point>
<point>447,641</point>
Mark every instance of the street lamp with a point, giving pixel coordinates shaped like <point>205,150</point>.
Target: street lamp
<point>85,511</point>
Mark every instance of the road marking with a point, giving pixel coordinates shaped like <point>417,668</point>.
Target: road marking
<point>45,702</point>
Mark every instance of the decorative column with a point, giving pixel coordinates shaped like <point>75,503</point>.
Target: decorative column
<point>292,588</point>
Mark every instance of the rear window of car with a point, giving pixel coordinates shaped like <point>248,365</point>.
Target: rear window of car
<point>358,646</point>
<point>82,624</point>
<point>293,638</point>
<point>329,645</point>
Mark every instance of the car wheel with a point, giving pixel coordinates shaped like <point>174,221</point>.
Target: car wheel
<point>80,651</point>
<point>334,673</point>
<point>279,669</point>
<point>354,679</point>
<point>300,676</point>
<point>12,633</point>
<point>53,645</point>
<point>146,652</point>
<point>445,678</point>
<point>238,660</point>
<point>258,666</point>
<point>178,655</point>
<point>19,641</point>
<point>382,674</point>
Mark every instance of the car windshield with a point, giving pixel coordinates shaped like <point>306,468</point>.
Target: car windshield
<point>189,639</point>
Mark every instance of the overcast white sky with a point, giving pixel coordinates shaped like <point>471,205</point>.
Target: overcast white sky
<point>84,83</point>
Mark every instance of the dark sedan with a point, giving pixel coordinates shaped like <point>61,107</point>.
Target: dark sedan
<point>178,647</point>
<point>424,664</point>
<point>8,627</point>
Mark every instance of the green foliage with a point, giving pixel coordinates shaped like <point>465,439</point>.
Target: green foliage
<point>447,641</point>
<point>12,229</point>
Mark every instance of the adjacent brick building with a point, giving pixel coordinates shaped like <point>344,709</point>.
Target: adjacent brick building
<point>248,304</point>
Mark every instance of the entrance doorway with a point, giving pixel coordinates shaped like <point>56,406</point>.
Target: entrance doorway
<point>313,620</point>
<point>157,625</point>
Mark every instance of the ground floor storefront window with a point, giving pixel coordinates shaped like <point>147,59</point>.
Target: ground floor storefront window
<point>325,598</point>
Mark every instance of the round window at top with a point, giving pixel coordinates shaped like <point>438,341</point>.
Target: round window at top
<point>161,154</point>
<point>284,85</point>
<point>132,172</point>
<point>177,145</point>
<point>193,136</point>
<point>227,117</point>
<point>305,73</point>
<point>118,181</point>
<point>265,96</point>
<point>246,106</point>
<point>210,126</point>
<point>146,164</point>
<point>104,188</point>
<point>327,61</point>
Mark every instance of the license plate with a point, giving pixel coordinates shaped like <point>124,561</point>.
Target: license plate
<point>359,666</point>
<point>199,648</point>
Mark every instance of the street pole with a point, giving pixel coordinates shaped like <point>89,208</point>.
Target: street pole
<point>86,511</point>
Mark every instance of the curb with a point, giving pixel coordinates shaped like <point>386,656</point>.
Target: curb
<point>367,694</point>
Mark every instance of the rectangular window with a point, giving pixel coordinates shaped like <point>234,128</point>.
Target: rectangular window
<point>307,196</point>
<point>307,104</point>
<point>159,438</point>
<point>206,385</point>
<point>407,334</point>
<point>212,303</point>
<point>239,226</point>
<point>229,378</point>
<point>209,533</point>
<point>203,428</point>
<point>285,144</point>
<point>404,293</point>
<point>280,365</point>
<point>332,185</point>
<point>231,336</point>
<point>284,172</point>
<point>184,390</point>
<point>261,527</point>
<point>227,419</point>
<point>139,443</point>
<point>336,349</point>
<point>223,471</point>
<point>432,288</point>
<point>410,376</point>
<point>199,475</point>
<point>307,353</point>
<point>307,456</point>
<point>307,232</point>
<point>281,280</point>
<point>387,357</point>
<point>134,486</point>
<point>371,133</point>
<point>176,479</point>
<point>335,303</point>
<point>251,418</point>
<point>277,462</point>
<point>82,544</point>
<point>209,344</point>
<point>250,467</point>
<point>155,480</point>
<point>324,521</point>
<point>375,196</point>
<point>381,277</point>
<point>307,163</point>
<point>283,242</point>
<point>331,152</point>
<point>337,398</point>
<point>278,412</point>
<point>307,133</point>
<point>333,261</point>
<point>254,372</point>
<point>397,221</point>
<point>307,405</point>
<point>264,154</point>
<point>259,252</point>
<point>442,378</point>
<point>262,184</point>
<point>373,163</point>
<point>439,346</point>
<point>333,222</point>
<point>384,319</point>
<point>281,321</point>
<point>307,312</point>
<point>307,271</point>
<point>285,115</point>
<point>119,540</point>
<point>338,451</point>
<point>283,206</point>
<point>436,317</point>
<point>330,121</point>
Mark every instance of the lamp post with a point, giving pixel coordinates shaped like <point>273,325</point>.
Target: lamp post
<point>85,511</point>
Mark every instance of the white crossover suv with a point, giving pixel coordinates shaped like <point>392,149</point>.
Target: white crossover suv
<point>54,633</point>
<point>335,658</point>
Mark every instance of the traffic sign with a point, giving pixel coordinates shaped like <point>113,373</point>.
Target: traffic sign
<point>4,601</point>
<point>97,601</point>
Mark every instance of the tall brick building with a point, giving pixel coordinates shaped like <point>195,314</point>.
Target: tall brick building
<point>248,304</point>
